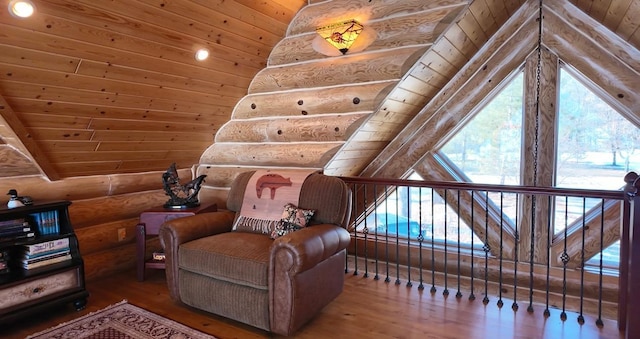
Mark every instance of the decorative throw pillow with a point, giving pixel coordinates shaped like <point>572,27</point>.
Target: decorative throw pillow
<point>293,219</point>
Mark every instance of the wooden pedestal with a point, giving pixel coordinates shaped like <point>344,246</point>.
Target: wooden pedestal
<point>149,225</point>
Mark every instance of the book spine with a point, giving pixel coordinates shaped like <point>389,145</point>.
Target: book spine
<point>47,246</point>
<point>12,222</point>
<point>46,262</point>
<point>15,230</point>
<point>45,257</point>
<point>17,236</point>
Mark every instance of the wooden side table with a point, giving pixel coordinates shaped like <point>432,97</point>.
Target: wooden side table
<point>149,225</point>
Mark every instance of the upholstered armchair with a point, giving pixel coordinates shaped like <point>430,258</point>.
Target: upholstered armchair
<point>274,284</point>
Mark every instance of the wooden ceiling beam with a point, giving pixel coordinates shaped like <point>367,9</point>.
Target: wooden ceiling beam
<point>35,153</point>
<point>502,54</point>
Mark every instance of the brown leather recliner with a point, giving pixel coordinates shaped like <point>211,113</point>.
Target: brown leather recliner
<point>276,285</point>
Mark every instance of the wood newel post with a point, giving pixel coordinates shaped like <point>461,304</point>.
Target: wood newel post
<point>629,294</point>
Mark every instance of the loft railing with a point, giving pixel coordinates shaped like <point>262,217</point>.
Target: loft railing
<point>524,245</point>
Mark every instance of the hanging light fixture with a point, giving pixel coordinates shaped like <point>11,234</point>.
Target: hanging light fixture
<point>341,35</point>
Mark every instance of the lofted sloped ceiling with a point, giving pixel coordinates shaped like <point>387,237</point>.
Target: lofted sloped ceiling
<point>96,88</point>
<point>106,87</point>
<point>605,56</point>
<point>295,112</point>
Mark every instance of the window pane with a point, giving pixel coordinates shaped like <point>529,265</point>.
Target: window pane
<point>596,147</point>
<point>487,149</point>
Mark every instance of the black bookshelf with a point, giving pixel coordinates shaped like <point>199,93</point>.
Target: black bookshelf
<point>26,287</point>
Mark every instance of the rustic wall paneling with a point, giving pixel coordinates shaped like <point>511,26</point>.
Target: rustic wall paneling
<point>23,142</point>
<point>308,97</point>
<point>408,30</point>
<point>80,73</point>
<point>503,54</point>
<point>311,102</point>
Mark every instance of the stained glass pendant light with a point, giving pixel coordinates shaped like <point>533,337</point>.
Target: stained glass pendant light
<point>341,35</point>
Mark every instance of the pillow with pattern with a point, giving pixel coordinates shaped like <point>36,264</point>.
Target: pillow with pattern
<point>293,219</point>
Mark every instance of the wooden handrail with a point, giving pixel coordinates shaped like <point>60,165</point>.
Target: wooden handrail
<point>587,193</point>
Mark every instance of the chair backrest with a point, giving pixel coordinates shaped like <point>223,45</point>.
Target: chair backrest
<point>329,196</point>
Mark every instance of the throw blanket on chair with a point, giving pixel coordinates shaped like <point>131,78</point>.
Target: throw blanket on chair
<point>265,196</point>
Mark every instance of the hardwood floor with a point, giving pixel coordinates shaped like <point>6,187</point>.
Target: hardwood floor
<point>367,308</point>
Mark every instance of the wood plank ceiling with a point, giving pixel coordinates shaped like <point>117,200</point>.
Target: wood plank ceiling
<point>93,87</point>
<point>103,87</point>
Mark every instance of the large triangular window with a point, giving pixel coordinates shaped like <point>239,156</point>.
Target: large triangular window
<point>596,147</point>
<point>488,148</point>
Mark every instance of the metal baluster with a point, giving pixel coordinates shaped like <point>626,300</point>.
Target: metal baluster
<point>446,289</point>
<point>355,243</point>
<point>549,233</point>
<point>582,261</point>
<point>599,322</point>
<point>420,239</point>
<point>433,255</point>
<point>532,247</point>
<point>514,306</point>
<point>459,294</point>
<point>565,260</point>
<point>409,283</point>
<point>486,249</point>
<point>366,233</point>
<point>472,296</point>
<point>397,237</point>
<point>386,231</point>
<point>375,221</point>
<point>500,302</point>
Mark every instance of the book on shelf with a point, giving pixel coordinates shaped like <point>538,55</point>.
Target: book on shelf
<point>47,256</point>
<point>15,230</point>
<point>13,227</point>
<point>47,222</point>
<point>46,246</point>
<point>19,236</point>
<point>43,255</point>
<point>12,222</point>
<point>50,261</point>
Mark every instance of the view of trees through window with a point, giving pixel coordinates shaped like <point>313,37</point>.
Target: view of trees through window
<point>488,148</point>
<point>596,147</point>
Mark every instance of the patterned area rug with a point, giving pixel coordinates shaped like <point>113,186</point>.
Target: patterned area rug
<point>120,321</point>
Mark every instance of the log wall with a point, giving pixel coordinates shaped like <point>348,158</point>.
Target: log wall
<point>305,106</point>
<point>101,205</point>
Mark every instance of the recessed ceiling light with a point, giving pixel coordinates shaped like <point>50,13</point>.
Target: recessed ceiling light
<point>21,8</point>
<point>202,54</point>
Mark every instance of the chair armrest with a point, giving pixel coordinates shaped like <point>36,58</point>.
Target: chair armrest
<point>178,231</point>
<point>306,272</point>
<point>307,247</point>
